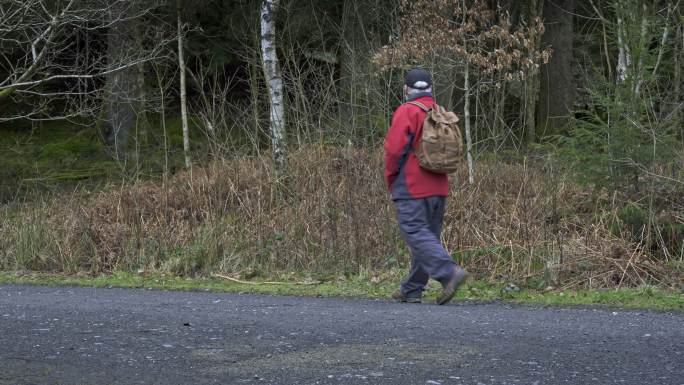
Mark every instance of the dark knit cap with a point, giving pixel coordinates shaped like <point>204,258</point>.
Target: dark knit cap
<point>418,78</point>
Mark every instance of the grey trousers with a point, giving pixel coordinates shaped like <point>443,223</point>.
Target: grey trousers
<point>420,222</point>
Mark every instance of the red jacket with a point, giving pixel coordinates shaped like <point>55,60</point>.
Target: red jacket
<point>404,176</point>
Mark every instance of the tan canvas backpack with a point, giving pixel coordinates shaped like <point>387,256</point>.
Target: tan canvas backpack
<point>441,146</point>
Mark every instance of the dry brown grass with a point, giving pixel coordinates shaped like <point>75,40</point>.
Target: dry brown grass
<point>332,214</point>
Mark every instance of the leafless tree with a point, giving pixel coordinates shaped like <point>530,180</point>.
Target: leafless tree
<point>53,64</point>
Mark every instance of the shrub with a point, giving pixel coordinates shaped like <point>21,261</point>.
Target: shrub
<point>332,213</point>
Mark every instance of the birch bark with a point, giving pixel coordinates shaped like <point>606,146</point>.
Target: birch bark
<point>466,109</point>
<point>183,89</point>
<point>466,117</point>
<point>624,56</point>
<point>275,83</point>
<point>642,51</point>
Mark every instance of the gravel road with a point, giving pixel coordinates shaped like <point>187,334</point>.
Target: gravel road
<point>119,336</point>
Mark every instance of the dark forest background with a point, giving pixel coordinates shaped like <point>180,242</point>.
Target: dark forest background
<point>575,111</point>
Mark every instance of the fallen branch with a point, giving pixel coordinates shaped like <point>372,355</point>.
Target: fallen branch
<point>265,283</point>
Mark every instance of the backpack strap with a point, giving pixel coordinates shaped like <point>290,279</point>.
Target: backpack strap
<point>409,145</point>
<point>405,153</point>
<point>420,105</point>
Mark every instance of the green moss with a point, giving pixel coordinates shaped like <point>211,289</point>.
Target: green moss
<point>361,286</point>
<point>68,152</point>
<point>51,156</point>
<point>6,92</point>
<point>39,151</point>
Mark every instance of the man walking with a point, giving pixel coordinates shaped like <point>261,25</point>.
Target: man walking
<point>419,196</point>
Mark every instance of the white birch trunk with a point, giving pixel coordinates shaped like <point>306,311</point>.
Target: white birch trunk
<point>624,57</point>
<point>275,82</point>
<point>466,108</point>
<point>642,51</point>
<point>466,117</point>
<point>183,90</point>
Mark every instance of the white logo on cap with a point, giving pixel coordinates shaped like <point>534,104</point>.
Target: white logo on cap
<point>420,84</point>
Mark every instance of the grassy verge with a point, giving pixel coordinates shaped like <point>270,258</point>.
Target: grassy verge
<point>368,287</point>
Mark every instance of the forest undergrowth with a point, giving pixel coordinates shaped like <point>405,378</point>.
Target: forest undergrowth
<point>523,221</point>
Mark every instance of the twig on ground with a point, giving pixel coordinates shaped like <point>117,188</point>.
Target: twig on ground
<point>265,283</point>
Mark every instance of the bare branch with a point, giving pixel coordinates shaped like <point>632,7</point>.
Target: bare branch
<point>43,57</point>
<point>81,76</point>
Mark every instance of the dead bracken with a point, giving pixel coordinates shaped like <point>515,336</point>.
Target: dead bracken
<point>330,214</point>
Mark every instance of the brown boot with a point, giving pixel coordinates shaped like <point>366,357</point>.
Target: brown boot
<point>401,297</point>
<point>449,288</point>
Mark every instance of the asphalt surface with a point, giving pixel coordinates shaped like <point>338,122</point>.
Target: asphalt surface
<point>117,336</point>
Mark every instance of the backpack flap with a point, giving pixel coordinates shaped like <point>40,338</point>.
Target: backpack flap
<point>441,147</point>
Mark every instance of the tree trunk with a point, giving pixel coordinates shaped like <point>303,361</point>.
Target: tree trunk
<point>531,96</point>
<point>663,43</point>
<point>356,84</point>
<point>142,123</point>
<point>445,78</point>
<point>275,83</point>
<point>643,48</point>
<point>678,89</point>
<point>348,57</point>
<point>624,55</point>
<point>466,117</point>
<point>557,86</point>
<point>183,89</point>
<point>534,8</point>
<point>121,87</point>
